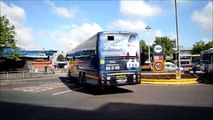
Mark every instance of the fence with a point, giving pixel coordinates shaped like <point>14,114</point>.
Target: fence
<point>24,75</point>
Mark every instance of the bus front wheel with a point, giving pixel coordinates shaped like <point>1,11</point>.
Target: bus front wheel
<point>82,79</point>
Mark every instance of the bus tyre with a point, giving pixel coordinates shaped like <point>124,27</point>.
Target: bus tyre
<point>83,79</point>
<point>80,78</point>
<point>69,74</point>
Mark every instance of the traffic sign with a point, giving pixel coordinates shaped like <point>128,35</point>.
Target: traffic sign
<point>158,49</point>
<point>159,57</point>
<point>158,66</point>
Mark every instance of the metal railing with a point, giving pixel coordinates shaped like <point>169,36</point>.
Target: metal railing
<point>24,75</point>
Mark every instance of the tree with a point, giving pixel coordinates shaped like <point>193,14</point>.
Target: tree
<point>200,46</point>
<point>7,33</point>
<point>144,53</point>
<point>60,58</point>
<point>144,47</point>
<point>209,45</point>
<point>167,43</point>
<point>7,38</point>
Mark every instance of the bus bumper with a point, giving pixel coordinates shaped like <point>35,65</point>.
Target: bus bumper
<point>119,79</point>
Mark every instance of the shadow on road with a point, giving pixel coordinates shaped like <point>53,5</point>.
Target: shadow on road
<point>205,78</point>
<point>110,111</point>
<point>91,89</point>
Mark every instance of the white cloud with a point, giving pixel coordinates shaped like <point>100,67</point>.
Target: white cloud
<point>204,17</point>
<point>16,15</point>
<point>158,33</point>
<point>138,9</point>
<point>75,35</point>
<point>61,11</point>
<point>128,25</point>
<point>206,40</point>
<point>172,36</point>
<point>135,11</point>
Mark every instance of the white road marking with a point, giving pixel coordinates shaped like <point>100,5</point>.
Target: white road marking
<point>40,88</point>
<point>61,92</point>
<point>58,93</point>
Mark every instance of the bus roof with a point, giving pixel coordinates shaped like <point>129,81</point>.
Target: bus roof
<point>90,43</point>
<point>210,50</point>
<point>103,32</point>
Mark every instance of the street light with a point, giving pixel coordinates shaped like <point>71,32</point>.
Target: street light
<point>178,73</point>
<point>178,46</point>
<point>148,28</point>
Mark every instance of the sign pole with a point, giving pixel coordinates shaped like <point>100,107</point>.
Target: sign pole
<point>178,73</point>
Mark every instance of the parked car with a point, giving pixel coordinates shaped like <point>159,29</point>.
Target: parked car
<point>147,66</point>
<point>171,67</point>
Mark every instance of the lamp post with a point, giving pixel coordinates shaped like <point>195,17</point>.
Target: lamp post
<point>148,28</point>
<point>178,46</point>
<point>178,72</point>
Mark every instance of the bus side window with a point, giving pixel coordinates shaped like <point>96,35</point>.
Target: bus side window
<point>90,53</point>
<point>73,58</point>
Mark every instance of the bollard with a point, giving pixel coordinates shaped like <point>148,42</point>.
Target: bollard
<point>178,73</point>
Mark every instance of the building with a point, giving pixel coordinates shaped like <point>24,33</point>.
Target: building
<point>35,59</point>
<point>186,58</point>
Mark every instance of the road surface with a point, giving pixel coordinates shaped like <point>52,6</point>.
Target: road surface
<point>59,98</point>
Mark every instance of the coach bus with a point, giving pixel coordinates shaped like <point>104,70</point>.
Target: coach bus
<point>188,61</point>
<point>107,59</point>
<point>207,61</point>
<point>195,59</point>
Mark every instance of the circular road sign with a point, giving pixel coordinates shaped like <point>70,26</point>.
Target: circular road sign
<point>158,66</point>
<point>158,48</point>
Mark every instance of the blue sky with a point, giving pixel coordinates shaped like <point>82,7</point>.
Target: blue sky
<point>64,24</point>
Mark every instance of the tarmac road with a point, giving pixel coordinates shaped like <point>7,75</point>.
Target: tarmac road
<point>58,98</point>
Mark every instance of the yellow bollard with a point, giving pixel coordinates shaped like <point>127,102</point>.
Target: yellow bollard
<point>178,74</point>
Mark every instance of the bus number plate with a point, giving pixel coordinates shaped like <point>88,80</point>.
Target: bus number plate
<point>121,78</point>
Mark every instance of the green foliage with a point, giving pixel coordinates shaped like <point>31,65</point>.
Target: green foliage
<point>167,43</point>
<point>200,46</point>
<point>7,33</point>
<point>60,58</point>
<point>144,47</point>
<point>7,38</point>
<point>144,53</point>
